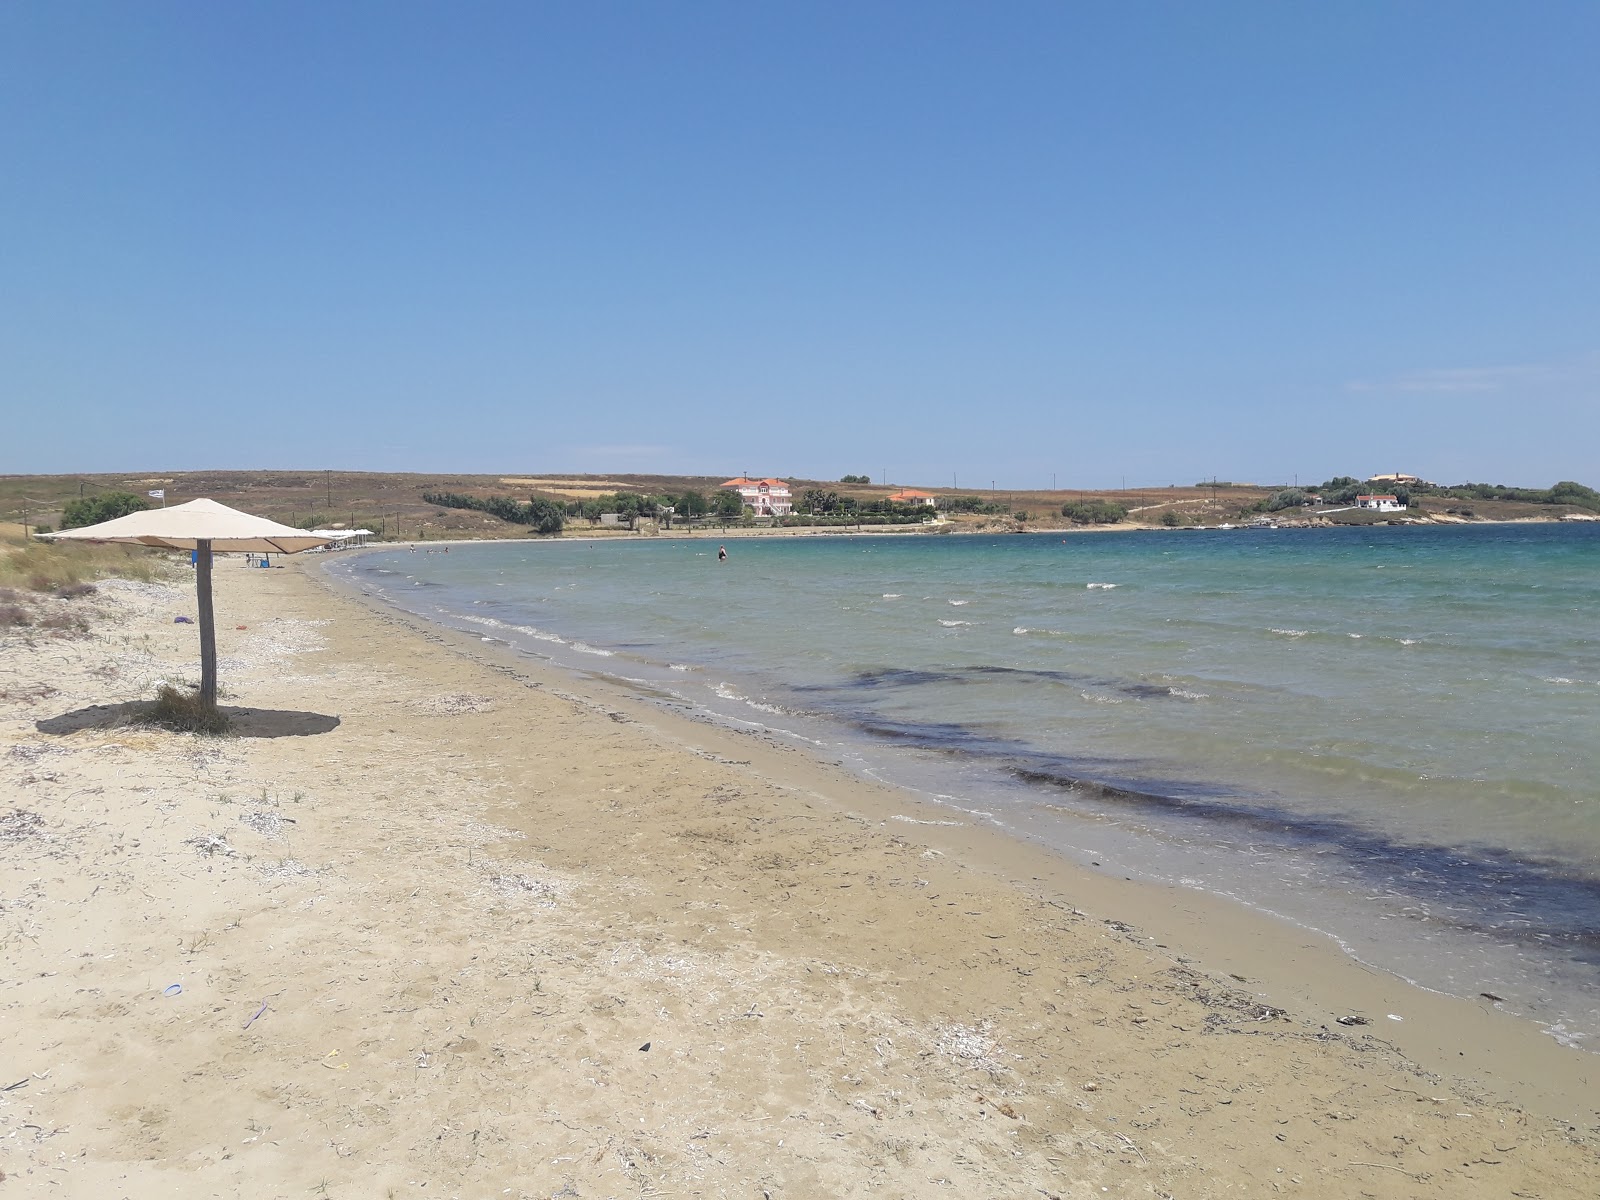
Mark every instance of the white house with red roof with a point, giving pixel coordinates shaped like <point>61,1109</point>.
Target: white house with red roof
<point>912,496</point>
<point>1381,503</point>
<point>768,497</point>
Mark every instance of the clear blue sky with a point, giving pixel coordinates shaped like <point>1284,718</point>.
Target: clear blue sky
<point>999,242</point>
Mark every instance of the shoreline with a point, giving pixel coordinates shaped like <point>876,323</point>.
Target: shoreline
<point>1295,966</point>
<point>514,932</point>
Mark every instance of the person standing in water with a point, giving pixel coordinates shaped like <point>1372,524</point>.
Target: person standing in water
<point>722,554</point>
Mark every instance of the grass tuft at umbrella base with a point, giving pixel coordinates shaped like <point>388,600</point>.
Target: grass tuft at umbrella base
<point>185,712</point>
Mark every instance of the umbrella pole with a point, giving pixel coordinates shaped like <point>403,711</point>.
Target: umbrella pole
<point>208,628</point>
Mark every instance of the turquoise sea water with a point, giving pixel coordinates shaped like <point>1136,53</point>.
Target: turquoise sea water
<point>1388,734</point>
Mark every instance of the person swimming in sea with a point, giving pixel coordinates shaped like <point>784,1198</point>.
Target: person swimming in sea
<point>722,554</point>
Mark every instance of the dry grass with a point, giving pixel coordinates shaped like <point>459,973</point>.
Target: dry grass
<point>65,568</point>
<point>183,712</point>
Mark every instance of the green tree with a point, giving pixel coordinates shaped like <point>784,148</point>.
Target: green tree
<point>108,506</point>
<point>692,504</point>
<point>730,505</point>
<point>1342,489</point>
<point>545,516</point>
<point>627,507</point>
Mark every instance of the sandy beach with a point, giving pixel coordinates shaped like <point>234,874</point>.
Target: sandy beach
<point>442,923</point>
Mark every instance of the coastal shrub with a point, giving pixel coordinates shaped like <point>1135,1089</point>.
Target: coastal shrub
<point>108,506</point>
<point>1568,492</point>
<point>1093,512</point>
<point>1287,498</point>
<point>971,504</point>
<point>13,616</point>
<point>855,479</point>
<point>184,712</point>
<point>1171,519</point>
<point>540,514</point>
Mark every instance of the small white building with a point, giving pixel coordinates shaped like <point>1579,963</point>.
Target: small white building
<point>912,496</point>
<point>1381,503</point>
<point>768,497</point>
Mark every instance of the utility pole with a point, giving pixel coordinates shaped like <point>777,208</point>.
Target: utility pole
<point>328,476</point>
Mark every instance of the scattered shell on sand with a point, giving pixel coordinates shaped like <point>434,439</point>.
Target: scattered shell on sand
<point>452,704</point>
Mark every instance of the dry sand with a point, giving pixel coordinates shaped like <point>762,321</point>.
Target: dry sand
<point>500,933</point>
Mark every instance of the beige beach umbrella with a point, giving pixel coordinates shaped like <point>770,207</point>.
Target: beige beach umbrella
<point>203,526</point>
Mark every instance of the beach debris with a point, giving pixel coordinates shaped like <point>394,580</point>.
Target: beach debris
<point>1353,1020</point>
<point>645,1048</point>
<point>972,1046</point>
<point>1000,1106</point>
<point>1492,996</point>
<point>183,620</point>
<point>19,824</point>
<point>1392,1017</point>
<point>286,868</point>
<point>210,844</point>
<point>328,1061</point>
<point>173,989</point>
<point>265,822</point>
<point>510,885</point>
<point>256,1015</point>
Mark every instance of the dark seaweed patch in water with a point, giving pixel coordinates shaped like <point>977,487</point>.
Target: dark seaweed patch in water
<point>1514,898</point>
<point>1485,889</point>
<point>896,677</point>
